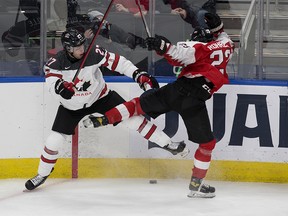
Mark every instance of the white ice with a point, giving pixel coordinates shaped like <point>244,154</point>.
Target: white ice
<point>136,197</point>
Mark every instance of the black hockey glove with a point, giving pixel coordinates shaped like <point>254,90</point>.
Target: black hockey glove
<point>158,43</point>
<point>145,80</point>
<point>65,89</point>
<point>133,40</point>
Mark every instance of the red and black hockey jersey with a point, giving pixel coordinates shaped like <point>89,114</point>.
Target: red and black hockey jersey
<point>203,59</point>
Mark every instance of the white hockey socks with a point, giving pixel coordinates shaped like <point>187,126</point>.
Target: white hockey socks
<point>148,130</point>
<point>50,153</point>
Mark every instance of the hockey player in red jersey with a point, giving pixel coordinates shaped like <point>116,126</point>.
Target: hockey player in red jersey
<point>90,94</point>
<point>204,60</point>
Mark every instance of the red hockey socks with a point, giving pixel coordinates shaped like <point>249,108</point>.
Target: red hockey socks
<point>124,111</point>
<point>202,159</point>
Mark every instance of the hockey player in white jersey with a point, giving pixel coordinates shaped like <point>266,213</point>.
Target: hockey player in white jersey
<point>90,94</point>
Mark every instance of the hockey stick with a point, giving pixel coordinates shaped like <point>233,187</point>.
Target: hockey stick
<point>18,11</point>
<point>92,42</point>
<point>143,18</point>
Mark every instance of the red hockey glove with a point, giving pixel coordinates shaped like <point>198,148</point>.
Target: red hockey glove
<point>158,43</point>
<point>64,88</point>
<point>145,80</point>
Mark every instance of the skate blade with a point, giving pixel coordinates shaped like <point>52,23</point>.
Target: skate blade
<point>25,190</point>
<point>193,194</point>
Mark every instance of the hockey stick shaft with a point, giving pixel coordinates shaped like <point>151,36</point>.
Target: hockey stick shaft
<point>92,42</point>
<point>18,11</point>
<point>143,18</point>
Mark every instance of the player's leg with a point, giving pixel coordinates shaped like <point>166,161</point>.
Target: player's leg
<point>202,159</point>
<point>199,131</point>
<point>122,111</point>
<point>150,132</point>
<point>153,103</point>
<point>64,124</point>
<point>48,160</point>
<point>128,114</point>
<point>113,107</point>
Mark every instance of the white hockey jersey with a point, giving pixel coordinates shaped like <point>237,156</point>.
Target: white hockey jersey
<point>90,85</point>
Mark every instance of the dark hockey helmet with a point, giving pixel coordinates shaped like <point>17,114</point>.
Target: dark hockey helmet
<point>214,23</point>
<point>72,38</point>
<point>202,35</point>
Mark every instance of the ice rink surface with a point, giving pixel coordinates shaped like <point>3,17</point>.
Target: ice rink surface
<point>136,197</point>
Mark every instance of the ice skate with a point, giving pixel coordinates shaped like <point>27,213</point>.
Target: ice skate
<point>200,190</point>
<point>177,148</point>
<point>93,121</point>
<point>36,181</point>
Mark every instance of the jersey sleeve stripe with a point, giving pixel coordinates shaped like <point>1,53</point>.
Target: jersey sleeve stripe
<point>53,75</point>
<point>115,63</point>
<point>107,59</point>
